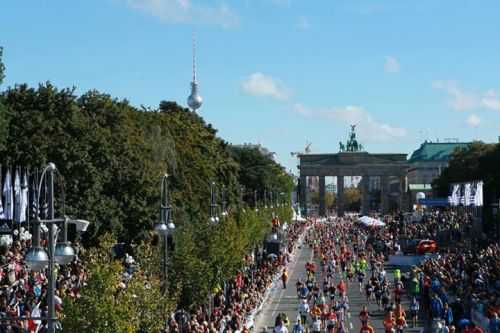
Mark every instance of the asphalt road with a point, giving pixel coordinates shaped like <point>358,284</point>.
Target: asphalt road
<point>285,300</point>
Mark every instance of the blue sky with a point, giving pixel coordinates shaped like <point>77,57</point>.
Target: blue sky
<point>277,72</point>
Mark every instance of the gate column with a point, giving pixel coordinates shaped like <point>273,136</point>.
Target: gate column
<point>365,196</point>
<point>340,196</point>
<point>322,201</point>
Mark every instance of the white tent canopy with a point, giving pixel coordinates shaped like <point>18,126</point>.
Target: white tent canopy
<point>371,222</point>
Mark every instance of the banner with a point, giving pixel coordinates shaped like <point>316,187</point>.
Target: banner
<point>467,194</point>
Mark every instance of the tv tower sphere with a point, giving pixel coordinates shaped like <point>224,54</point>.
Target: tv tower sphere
<point>194,100</point>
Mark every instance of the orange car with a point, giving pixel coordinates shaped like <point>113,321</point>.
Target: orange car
<point>426,246</point>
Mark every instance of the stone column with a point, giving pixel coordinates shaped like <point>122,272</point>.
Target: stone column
<point>365,195</point>
<point>303,195</point>
<point>384,194</point>
<point>340,195</point>
<point>403,203</point>
<point>322,201</point>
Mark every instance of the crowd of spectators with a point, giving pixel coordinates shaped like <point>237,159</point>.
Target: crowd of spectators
<point>433,224</point>
<point>464,280</point>
<point>23,292</point>
<point>234,307</point>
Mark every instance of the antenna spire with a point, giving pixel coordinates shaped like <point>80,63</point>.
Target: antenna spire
<point>194,57</point>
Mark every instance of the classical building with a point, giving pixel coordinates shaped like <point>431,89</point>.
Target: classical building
<point>426,164</point>
<point>352,161</point>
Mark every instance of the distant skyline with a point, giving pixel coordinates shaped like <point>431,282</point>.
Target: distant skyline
<point>277,72</point>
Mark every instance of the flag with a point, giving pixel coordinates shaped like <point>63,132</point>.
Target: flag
<point>2,214</point>
<point>7,192</point>
<point>17,196</point>
<point>24,199</point>
<point>34,203</point>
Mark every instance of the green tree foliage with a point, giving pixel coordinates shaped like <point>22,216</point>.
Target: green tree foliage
<point>259,171</point>
<point>475,162</point>
<point>329,199</point>
<point>4,117</point>
<point>105,306</point>
<point>2,66</point>
<point>205,254</point>
<point>111,157</point>
<point>352,198</point>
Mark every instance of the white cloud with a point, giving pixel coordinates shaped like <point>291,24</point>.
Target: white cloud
<point>184,11</point>
<point>473,120</point>
<point>303,23</point>
<point>491,100</point>
<point>391,65</point>
<point>462,100</point>
<point>259,84</point>
<point>368,127</point>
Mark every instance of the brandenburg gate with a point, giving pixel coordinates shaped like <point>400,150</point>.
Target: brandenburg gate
<point>351,160</point>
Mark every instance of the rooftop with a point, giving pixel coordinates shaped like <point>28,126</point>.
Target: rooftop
<point>436,151</point>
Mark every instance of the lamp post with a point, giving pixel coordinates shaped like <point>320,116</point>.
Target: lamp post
<point>63,253</point>
<point>164,228</point>
<point>214,217</point>
<point>223,201</point>
<point>255,200</point>
<point>242,195</point>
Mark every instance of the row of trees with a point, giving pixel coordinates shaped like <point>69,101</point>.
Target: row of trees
<point>351,198</point>
<point>111,156</point>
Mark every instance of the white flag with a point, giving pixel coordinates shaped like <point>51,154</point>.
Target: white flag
<point>2,214</point>
<point>467,194</point>
<point>24,199</point>
<point>9,198</point>
<point>17,195</point>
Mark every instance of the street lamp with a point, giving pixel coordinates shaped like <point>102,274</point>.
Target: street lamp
<point>165,227</point>
<point>214,218</point>
<point>63,253</point>
<point>242,201</point>
<point>223,202</point>
<point>255,200</point>
<point>5,235</point>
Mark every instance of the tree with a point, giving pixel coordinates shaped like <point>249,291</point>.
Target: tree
<point>352,198</point>
<point>106,306</point>
<point>2,66</point>
<point>259,172</point>
<point>4,116</point>
<point>111,157</point>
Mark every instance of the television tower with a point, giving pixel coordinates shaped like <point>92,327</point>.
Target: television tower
<point>194,100</point>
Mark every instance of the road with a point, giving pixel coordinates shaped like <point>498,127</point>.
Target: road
<point>286,301</point>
